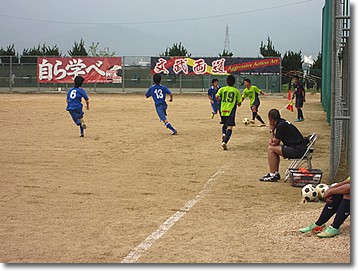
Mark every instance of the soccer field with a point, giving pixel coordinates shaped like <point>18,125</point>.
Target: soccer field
<point>96,199</point>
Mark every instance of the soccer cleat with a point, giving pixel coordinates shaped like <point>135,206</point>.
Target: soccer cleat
<point>82,135</point>
<point>174,132</point>
<point>329,232</point>
<point>269,178</point>
<point>83,124</point>
<point>314,228</point>
<point>224,145</point>
<point>302,119</point>
<point>223,137</point>
<point>212,115</point>
<point>252,121</point>
<point>298,120</point>
<point>262,125</point>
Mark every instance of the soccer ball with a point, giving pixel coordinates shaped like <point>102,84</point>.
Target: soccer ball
<point>321,188</point>
<point>309,193</point>
<point>246,121</point>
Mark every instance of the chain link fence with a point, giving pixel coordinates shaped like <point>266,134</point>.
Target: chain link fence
<point>19,74</point>
<point>336,79</point>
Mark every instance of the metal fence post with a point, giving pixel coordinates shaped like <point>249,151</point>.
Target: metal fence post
<point>333,75</point>
<point>10,76</point>
<point>180,83</point>
<point>123,68</point>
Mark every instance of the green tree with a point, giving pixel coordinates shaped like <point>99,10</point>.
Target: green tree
<point>268,50</point>
<point>8,52</point>
<point>317,69</point>
<point>94,50</point>
<point>226,53</point>
<point>318,62</point>
<point>292,61</point>
<point>53,51</point>
<point>78,49</point>
<point>177,49</point>
<point>29,55</point>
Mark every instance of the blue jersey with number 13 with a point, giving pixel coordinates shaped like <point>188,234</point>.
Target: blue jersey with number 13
<point>74,97</point>
<point>158,93</point>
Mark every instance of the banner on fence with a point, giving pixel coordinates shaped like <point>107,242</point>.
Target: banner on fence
<point>215,66</point>
<point>93,69</point>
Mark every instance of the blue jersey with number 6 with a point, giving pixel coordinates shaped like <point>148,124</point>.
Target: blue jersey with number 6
<point>158,93</point>
<point>74,97</point>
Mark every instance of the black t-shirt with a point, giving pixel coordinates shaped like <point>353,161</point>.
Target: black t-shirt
<point>288,133</point>
<point>299,90</point>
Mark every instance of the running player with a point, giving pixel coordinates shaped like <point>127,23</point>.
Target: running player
<point>74,103</point>
<point>253,93</point>
<point>230,98</point>
<point>158,92</point>
<point>212,97</point>
<point>300,95</point>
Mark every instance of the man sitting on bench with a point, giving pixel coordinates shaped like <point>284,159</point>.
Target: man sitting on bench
<point>294,144</point>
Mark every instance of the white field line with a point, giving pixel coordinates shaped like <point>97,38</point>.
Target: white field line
<point>137,252</point>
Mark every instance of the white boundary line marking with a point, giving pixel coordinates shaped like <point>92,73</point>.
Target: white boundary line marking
<point>137,252</point>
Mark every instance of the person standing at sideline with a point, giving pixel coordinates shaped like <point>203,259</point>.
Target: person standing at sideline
<point>300,95</point>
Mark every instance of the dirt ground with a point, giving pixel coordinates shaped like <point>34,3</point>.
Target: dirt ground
<point>94,199</point>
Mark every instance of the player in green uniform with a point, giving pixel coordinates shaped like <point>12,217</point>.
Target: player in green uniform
<point>253,93</point>
<point>230,98</point>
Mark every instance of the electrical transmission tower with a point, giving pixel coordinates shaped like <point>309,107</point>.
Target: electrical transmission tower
<point>227,39</point>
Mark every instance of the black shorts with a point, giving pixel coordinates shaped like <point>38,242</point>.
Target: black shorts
<point>229,120</point>
<point>294,152</point>
<point>299,102</point>
<point>256,104</point>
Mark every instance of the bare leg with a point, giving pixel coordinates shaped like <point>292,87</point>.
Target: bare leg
<point>274,153</point>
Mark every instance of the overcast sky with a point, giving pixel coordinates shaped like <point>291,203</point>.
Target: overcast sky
<point>139,27</point>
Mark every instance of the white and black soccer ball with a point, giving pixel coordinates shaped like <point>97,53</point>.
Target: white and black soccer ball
<point>321,188</point>
<point>246,121</point>
<point>309,193</point>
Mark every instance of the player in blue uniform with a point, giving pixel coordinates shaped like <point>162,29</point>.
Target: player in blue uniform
<point>300,95</point>
<point>215,105</point>
<point>158,92</point>
<point>74,103</point>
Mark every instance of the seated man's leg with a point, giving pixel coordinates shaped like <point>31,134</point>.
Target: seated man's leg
<point>273,156</point>
<point>274,153</point>
<point>343,211</point>
<point>328,211</point>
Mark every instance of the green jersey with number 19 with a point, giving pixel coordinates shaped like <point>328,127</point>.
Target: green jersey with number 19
<point>230,97</point>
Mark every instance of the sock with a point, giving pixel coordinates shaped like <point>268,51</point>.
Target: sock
<point>228,135</point>
<point>329,210</point>
<point>254,114</point>
<point>301,113</point>
<point>342,213</point>
<point>260,119</point>
<point>169,126</point>
<point>81,129</point>
<point>223,129</point>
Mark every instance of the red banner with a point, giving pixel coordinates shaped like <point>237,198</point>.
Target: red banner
<point>93,69</point>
